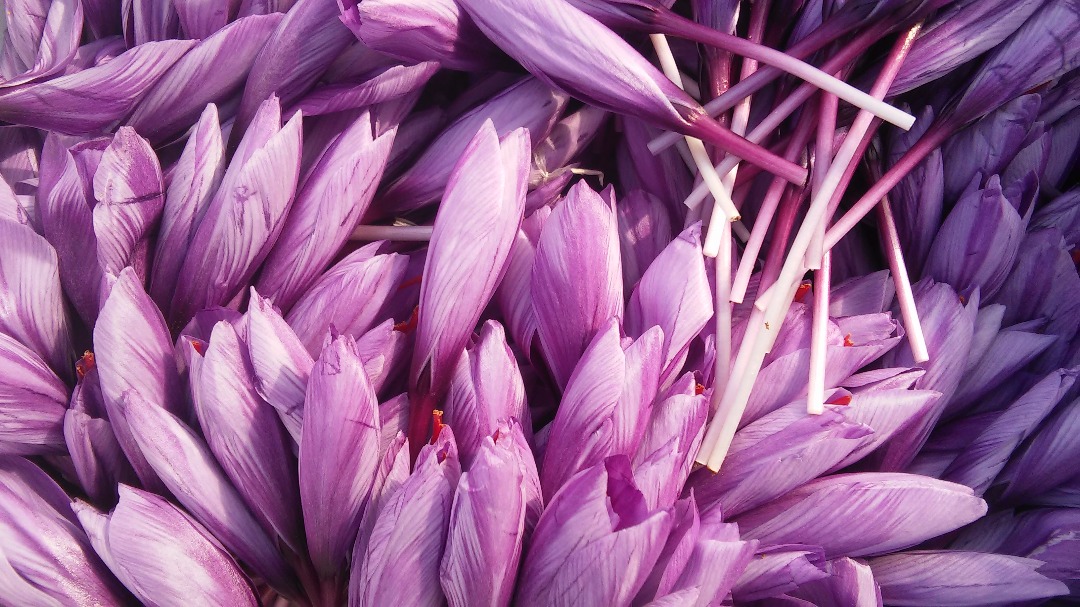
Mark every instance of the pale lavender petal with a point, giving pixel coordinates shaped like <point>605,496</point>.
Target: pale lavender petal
<point>470,245</point>
<point>38,45</point>
<point>115,86</point>
<point>850,582</point>
<point>779,569</point>
<point>685,529</point>
<point>514,294</point>
<point>280,362</point>
<point>486,387</point>
<point>673,294</point>
<point>869,294</point>
<point>350,296</point>
<point>863,514</point>
<point>718,560</point>
<point>162,555</point>
<point>32,402</point>
<point>31,299</point>
<point>576,277</point>
<point>338,453</point>
<point>946,578</point>
<point>192,183</point>
<point>665,457</point>
<point>329,204</point>
<point>211,72</point>
<point>401,562</point>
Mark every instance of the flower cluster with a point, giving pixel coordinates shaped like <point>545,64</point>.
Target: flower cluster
<point>510,302</point>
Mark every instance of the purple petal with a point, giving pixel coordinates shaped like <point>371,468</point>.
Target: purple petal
<point>41,38</point>
<point>487,523</point>
<point>338,453</point>
<point>350,296</point>
<point>1000,360</point>
<point>134,352</point>
<point>115,86</point>
<point>129,191</point>
<point>245,434</point>
<point>869,294</point>
<point>514,294</point>
<point>850,582</point>
<point>665,457</point>
<point>304,44</point>
<point>779,569</point>
<point>664,175</point>
<point>673,294</point>
<point>685,530</point>
<point>474,229</point>
<point>47,559</point>
<point>767,459</point>
<point>384,352</point>
<point>280,362</point>
<point>32,402</point>
<point>193,181</point>
<point>986,147</point>
<point>385,84</point>
<point>243,219</point>
<point>943,578</point>
<point>528,104</point>
<point>576,277</point>
<point>863,514</point>
<point>1037,467</point>
<point>201,18</point>
<point>433,30</point>
<point>162,555</point>
<point>596,542</point>
<point>485,388</point>
<point>31,299</point>
<point>211,72</point>
<point>185,465</point>
<point>98,459</point>
<point>717,561</point>
<point>644,231</point>
<point>886,411</point>
<point>401,562</point>
<point>329,204</point>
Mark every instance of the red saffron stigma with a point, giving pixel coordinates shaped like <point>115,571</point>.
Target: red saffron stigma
<point>415,280</point>
<point>698,389</point>
<point>410,324</point>
<point>801,292</point>
<point>199,346</point>
<point>843,401</point>
<point>436,425</point>
<point>85,364</point>
<point>848,342</point>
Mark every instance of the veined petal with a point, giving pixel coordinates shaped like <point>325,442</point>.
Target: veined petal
<point>717,561</point>
<point>850,582</point>
<point>863,514</point>
<point>329,204</point>
<point>193,181</point>
<point>475,226</point>
<point>401,562</point>
<point>38,45</point>
<point>186,466</point>
<point>487,523</point>
<point>45,554</point>
<point>303,45</point>
<point>779,569</point>
<point>115,86</point>
<point>644,231</point>
<point>242,221</point>
<point>147,22</point>
<point>527,104</point>
<point>514,294</point>
<point>1000,360</point>
<point>201,18</point>
<point>385,84</point>
<point>685,530</point>
<point>665,457</point>
<point>350,296</point>
<point>1036,467</point>
<point>211,72</point>
<point>576,277</point>
<point>986,147</point>
<point>164,556</point>
<point>280,362</point>
<point>486,388</point>
<point>384,352</point>
<point>947,578</point>
<point>674,294</point>
<point>31,299</point>
<point>246,436</point>
<point>869,294</point>
<point>338,453</point>
<point>96,455</point>
<point>596,541</point>
<point>134,351</point>
<point>130,196</point>
<point>32,402</point>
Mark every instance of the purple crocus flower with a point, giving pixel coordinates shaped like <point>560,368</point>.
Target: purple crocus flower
<point>41,41</point>
<point>162,555</point>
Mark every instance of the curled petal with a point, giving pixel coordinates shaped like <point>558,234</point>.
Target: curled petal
<point>280,362</point>
<point>32,402</point>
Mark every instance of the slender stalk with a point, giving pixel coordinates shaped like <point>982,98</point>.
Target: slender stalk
<point>401,233</point>
<point>890,238</point>
<point>823,149</point>
<point>709,130</point>
<point>819,345</point>
<point>720,193</point>
<point>721,373</point>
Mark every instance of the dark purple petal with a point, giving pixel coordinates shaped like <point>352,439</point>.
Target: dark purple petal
<point>945,578</point>
<point>986,147</point>
<point>863,514</point>
<point>201,18</point>
<point>115,86</point>
<point>162,555</point>
<point>328,205</point>
<point>338,453</point>
<point>1037,467</point>
<point>211,72</point>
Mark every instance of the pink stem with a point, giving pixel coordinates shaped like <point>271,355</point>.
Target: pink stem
<point>891,239</point>
<point>819,345</point>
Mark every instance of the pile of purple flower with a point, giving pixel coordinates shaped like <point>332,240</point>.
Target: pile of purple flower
<point>539,302</point>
